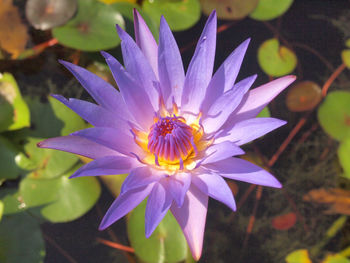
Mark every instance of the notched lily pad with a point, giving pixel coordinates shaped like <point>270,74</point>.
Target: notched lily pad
<point>180,14</point>
<point>270,9</point>
<point>298,256</point>
<point>166,244</point>
<point>335,258</point>
<point>47,14</point>
<point>345,56</point>
<point>229,9</point>
<point>334,115</point>
<point>93,27</point>
<point>303,96</point>
<point>276,60</point>
<point>344,156</point>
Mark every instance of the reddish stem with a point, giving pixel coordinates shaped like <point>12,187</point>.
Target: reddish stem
<point>115,245</point>
<point>329,81</point>
<point>42,46</point>
<point>61,250</point>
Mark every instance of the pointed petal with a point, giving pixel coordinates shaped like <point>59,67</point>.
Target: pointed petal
<point>242,170</point>
<point>106,166</point>
<point>145,41</point>
<point>222,108</point>
<point>251,129</point>
<point>139,177</point>
<point>216,187</point>
<point>259,97</point>
<point>124,204</point>
<point>137,66</point>
<point>200,69</point>
<point>191,217</point>
<point>178,187</point>
<point>101,91</point>
<point>225,77</point>
<point>171,70</point>
<point>112,138</point>
<point>77,145</point>
<point>221,151</point>
<point>92,113</point>
<point>158,204</point>
<point>135,97</point>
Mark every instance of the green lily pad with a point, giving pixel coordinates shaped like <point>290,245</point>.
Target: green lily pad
<point>270,9</point>
<point>12,201</point>
<point>14,112</point>
<point>265,113</point>
<point>298,256</point>
<point>92,29</point>
<point>335,258</point>
<point>345,56</point>
<point>276,60</point>
<point>334,115</point>
<point>303,96</point>
<point>229,9</point>
<point>180,14</point>
<point>21,240</point>
<point>63,199</point>
<point>8,155</point>
<point>167,243</point>
<point>344,156</point>
<point>1,209</point>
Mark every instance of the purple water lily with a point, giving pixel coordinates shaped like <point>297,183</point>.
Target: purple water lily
<point>175,134</point>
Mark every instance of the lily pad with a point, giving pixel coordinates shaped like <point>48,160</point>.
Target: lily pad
<point>21,240</point>
<point>303,96</point>
<point>1,209</point>
<point>8,154</point>
<point>180,14</point>
<point>229,9</point>
<point>270,9</point>
<point>117,1</point>
<point>298,256</point>
<point>265,113</point>
<point>13,202</point>
<point>344,156</point>
<point>335,258</point>
<point>63,199</point>
<point>334,115</point>
<point>345,55</point>
<point>92,29</point>
<point>14,112</point>
<point>167,243</point>
<point>276,60</point>
<point>46,14</point>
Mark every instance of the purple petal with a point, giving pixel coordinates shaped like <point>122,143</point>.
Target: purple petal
<point>124,204</point>
<point>191,218</point>
<point>137,66</point>
<point>106,166</point>
<point>222,108</point>
<point>216,187</point>
<point>135,97</point>
<point>171,71</point>
<point>225,77</point>
<point>221,151</point>
<point>178,186</point>
<point>251,129</point>
<point>102,92</point>
<point>78,145</point>
<point>242,170</point>
<point>92,113</point>
<point>158,204</point>
<point>140,176</point>
<point>145,41</point>
<point>200,70</point>
<point>259,97</point>
<point>115,139</point>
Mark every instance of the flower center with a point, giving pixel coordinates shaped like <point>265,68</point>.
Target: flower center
<point>171,139</point>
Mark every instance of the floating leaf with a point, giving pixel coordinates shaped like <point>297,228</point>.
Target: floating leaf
<point>265,113</point>
<point>334,114</point>
<point>335,258</point>
<point>303,96</point>
<point>21,240</point>
<point>345,55</point>
<point>284,222</point>
<point>180,14</point>
<point>117,1</point>
<point>13,202</point>
<point>93,27</point>
<point>298,256</point>
<point>270,9</point>
<point>1,209</point>
<point>229,9</point>
<point>46,14</point>
<point>11,101</point>
<point>167,243</point>
<point>13,33</point>
<point>276,60</point>
<point>337,199</point>
<point>344,156</point>
<point>8,154</point>
<point>62,199</point>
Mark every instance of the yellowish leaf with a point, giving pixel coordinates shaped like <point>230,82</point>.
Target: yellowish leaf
<point>298,256</point>
<point>335,258</point>
<point>117,1</point>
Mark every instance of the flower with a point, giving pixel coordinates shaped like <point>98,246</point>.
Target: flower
<point>174,133</point>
